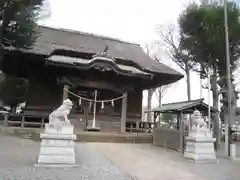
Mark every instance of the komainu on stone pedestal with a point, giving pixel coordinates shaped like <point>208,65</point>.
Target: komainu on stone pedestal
<point>199,143</point>
<point>57,141</point>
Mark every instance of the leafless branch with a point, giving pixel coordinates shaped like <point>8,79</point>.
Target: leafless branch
<point>165,88</point>
<point>174,51</point>
<point>162,90</point>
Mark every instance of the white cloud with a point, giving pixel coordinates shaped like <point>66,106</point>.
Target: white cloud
<point>130,20</point>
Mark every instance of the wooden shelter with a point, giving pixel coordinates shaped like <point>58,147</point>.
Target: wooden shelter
<point>82,63</point>
<point>174,139</point>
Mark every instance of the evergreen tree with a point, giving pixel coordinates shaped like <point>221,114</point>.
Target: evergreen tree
<point>203,37</point>
<point>18,29</point>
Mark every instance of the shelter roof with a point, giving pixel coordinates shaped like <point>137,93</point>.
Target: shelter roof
<point>184,106</point>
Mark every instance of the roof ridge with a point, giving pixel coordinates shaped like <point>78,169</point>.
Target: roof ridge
<point>89,34</point>
<point>201,99</point>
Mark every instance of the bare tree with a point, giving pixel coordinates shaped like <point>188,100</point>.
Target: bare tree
<point>159,91</point>
<point>150,91</point>
<point>169,39</point>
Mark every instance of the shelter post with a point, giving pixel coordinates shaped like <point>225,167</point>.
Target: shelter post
<point>181,132</point>
<point>156,114</point>
<point>178,121</point>
<point>124,113</point>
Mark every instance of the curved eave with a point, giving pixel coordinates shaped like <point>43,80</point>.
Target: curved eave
<point>161,79</point>
<point>106,64</point>
<point>166,79</point>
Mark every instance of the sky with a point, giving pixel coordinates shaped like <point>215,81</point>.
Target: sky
<point>128,20</point>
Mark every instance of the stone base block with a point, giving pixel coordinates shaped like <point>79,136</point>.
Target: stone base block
<point>200,157</point>
<point>200,149</point>
<point>55,165</point>
<point>57,147</point>
<point>61,129</point>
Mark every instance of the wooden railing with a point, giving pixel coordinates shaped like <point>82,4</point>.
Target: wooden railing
<point>38,119</point>
<point>22,120</point>
<point>140,126</point>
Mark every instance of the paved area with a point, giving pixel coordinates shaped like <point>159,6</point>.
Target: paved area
<point>222,152</point>
<point>147,162</point>
<point>103,161</point>
<point>17,157</point>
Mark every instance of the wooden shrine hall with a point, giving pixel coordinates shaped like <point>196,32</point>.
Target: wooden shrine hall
<point>82,64</point>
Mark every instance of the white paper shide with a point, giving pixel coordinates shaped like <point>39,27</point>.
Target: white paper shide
<point>57,141</point>
<point>199,143</point>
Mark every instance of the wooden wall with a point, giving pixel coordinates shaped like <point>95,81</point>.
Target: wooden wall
<point>48,95</point>
<point>135,103</point>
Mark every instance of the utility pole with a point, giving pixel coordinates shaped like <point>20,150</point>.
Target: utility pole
<point>228,121</point>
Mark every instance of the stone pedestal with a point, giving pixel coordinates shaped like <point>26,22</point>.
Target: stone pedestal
<point>200,146</point>
<point>57,146</point>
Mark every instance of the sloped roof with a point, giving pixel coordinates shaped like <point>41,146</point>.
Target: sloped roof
<point>182,106</point>
<point>51,39</point>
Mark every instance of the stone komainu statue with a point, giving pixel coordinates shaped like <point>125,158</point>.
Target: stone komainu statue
<point>198,122</point>
<point>60,115</point>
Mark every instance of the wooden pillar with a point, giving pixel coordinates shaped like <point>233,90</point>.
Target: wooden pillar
<point>42,122</point>
<point>181,122</point>
<point>131,127</point>
<point>23,121</point>
<point>137,125</point>
<point>65,93</point>
<point>124,113</point>
<point>5,120</point>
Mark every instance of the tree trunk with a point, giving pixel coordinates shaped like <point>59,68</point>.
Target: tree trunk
<point>215,95</point>
<point>160,102</point>
<point>160,97</point>
<point>3,26</point>
<point>149,106</point>
<point>188,83</point>
<point>187,71</point>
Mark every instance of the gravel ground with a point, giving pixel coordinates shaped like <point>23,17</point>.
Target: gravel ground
<point>18,156</point>
<point>149,162</point>
<point>95,162</point>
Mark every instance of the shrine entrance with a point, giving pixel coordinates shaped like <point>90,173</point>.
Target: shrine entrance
<point>96,104</point>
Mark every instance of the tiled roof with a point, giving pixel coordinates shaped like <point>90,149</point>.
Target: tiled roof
<point>51,39</point>
<point>181,106</point>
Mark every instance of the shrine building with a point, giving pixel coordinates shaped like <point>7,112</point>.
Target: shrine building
<point>65,63</point>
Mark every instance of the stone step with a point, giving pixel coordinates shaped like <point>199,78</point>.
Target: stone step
<point>102,136</point>
<point>56,159</point>
<point>57,150</point>
<point>104,125</point>
<point>98,137</point>
<point>115,138</point>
